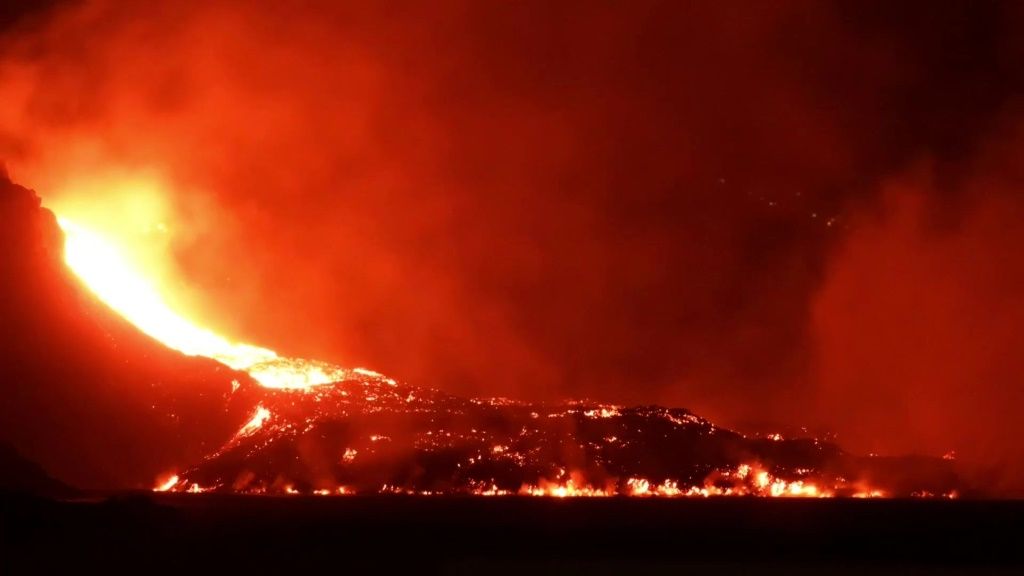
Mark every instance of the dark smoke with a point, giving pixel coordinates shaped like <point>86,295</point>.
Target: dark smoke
<point>638,202</point>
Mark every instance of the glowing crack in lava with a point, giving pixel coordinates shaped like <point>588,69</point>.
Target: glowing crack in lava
<point>319,429</point>
<point>104,269</point>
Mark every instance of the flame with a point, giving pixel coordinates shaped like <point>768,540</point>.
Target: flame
<point>603,412</point>
<point>742,481</point>
<point>167,484</point>
<point>745,480</point>
<point>254,423</point>
<point>569,488</point>
<point>105,270</point>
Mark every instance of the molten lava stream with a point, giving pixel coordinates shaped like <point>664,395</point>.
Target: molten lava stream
<point>108,273</point>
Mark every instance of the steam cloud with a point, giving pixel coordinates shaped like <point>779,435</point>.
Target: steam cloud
<point>713,205</point>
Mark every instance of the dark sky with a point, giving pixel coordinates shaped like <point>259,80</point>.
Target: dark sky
<point>797,212</point>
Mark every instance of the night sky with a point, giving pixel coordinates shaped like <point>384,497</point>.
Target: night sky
<point>799,213</point>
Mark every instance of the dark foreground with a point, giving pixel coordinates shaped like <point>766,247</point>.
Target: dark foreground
<point>195,533</point>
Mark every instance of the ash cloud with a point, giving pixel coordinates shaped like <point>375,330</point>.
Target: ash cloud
<point>652,202</point>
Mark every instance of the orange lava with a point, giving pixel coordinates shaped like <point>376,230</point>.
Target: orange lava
<point>109,273</point>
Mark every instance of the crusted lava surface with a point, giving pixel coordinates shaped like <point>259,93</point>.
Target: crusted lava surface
<point>369,434</point>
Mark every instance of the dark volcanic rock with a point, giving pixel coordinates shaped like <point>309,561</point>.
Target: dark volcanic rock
<point>85,394</point>
<point>23,476</point>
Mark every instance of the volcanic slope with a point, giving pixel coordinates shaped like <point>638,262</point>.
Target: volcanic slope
<point>86,395</point>
<point>370,434</point>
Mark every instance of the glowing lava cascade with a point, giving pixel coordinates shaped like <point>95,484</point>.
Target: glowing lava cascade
<point>103,268</point>
<point>321,429</point>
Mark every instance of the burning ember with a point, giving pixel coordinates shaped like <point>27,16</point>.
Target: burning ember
<point>325,430</point>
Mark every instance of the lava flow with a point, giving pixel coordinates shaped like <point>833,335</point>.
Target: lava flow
<point>103,268</point>
<point>321,429</point>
